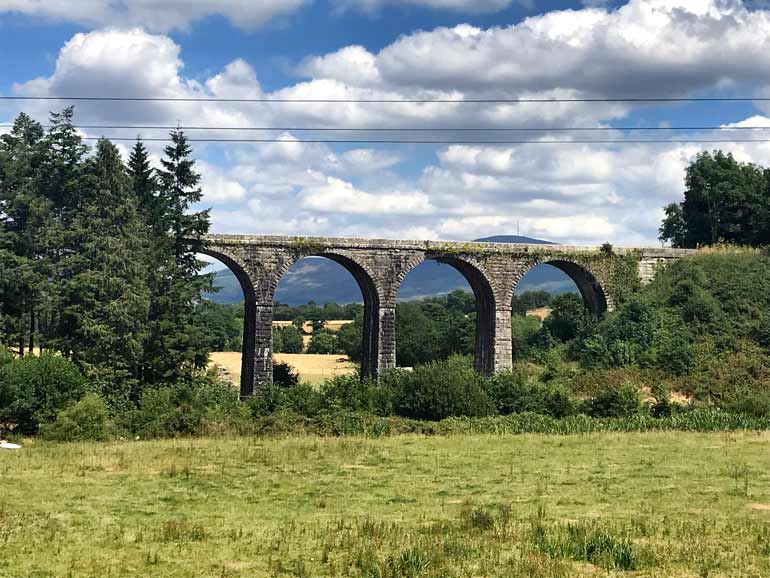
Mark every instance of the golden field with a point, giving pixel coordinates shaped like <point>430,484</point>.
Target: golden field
<point>312,368</point>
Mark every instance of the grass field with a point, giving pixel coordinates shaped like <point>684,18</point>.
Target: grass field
<point>667,505</point>
<point>312,368</point>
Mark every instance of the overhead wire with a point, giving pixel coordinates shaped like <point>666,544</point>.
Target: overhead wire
<point>265,100</point>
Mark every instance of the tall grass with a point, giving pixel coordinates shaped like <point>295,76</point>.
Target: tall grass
<point>356,424</point>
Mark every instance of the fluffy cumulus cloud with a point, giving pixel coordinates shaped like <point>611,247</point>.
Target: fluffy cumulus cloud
<point>159,15</point>
<point>579,193</point>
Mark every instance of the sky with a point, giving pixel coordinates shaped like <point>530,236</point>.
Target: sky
<point>573,192</point>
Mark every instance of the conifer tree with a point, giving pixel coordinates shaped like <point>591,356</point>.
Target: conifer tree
<point>61,183</point>
<point>23,219</point>
<point>144,184</point>
<point>175,343</point>
<point>104,298</point>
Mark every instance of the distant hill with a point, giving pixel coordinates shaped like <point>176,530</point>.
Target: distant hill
<point>322,280</point>
<point>513,239</point>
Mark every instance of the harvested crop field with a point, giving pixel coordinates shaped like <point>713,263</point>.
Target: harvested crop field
<point>312,368</point>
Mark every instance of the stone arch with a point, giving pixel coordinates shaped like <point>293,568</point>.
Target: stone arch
<point>595,296</point>
<point>483,291</point>
<point>370,291</point>
<point>248,347</point>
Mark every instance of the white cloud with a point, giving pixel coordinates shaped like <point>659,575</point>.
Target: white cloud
<point>569,193</point>
<point>476,6</point>
<point>157,15</point>
<point>217,187</point>
<point>338,196</point>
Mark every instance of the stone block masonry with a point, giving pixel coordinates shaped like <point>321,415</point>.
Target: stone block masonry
<point>493,270</point>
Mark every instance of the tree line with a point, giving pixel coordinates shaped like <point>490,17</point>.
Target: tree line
<point>93,262</point>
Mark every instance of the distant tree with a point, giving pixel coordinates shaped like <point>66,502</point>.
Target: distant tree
<point>323,342</point>
<point>287,340</point>
<point>724,200</point>
<point>349,339</point>
<point>529,300</point>
<point>569,318</point>
<point>222,324</point>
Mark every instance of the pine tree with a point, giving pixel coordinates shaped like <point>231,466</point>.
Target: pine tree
<point>144,185</point>
<point>175,343</point>
<point>24,217</point>
<point>104,298</point>
<point>61,183</point>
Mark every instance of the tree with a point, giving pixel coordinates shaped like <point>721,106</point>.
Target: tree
<point>62,180</point>
<point>569,318</point>
<point>175,345</point>
<point>349,339</point>
<point>287,340</point>
<point>103,296</point>
<point>323,342</point>
<point>144,185</point>
<point>24,213</point>
<point>724,200</point>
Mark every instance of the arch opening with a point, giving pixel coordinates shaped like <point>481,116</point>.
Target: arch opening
<point>557,277</point>
<point>445,310</point>
<point>231,279</point>
<point>334,303</point>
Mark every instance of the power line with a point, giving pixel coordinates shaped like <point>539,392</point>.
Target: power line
<point>440,142</point>
<point>407,129</point>
<point>390,100</point>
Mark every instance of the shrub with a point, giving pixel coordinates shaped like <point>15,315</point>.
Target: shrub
<point>438,390</point>
<point>349,393</point>
<point>5,356</point>
<point>624,401</point>
<point>298,398</point>
<point>34,389</point>
<point>203,405</point>
<point>86,420</point>
<point>662,406</point>
<point>753,403</point>
<point>515,392</point>
<point>284,375</point>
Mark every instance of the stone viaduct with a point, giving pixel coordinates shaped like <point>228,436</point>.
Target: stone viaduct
<point>604,276</point>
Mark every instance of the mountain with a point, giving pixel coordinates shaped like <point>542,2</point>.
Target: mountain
<point>513,239</point>
<point>322,280</point>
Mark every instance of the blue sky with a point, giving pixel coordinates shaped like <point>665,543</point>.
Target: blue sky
<point>575,193</point>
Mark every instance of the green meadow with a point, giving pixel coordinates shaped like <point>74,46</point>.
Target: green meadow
<point>648,504</point>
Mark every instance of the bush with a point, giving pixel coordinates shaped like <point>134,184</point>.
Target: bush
<point>284,375</point>
<point>438,390</point>
<point>5,356</point>
<point>34,389</point>
<point>349,393</point>
<point>86,420</point>
<point>624,401</point>
<point>756,404</point>
<point>203,406</point>
<point>298,398</point>
<point>515,392</point>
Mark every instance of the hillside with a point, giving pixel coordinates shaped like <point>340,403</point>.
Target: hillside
<point>322,280</point>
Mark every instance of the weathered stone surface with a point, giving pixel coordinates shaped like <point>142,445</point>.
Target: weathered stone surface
<point>493,271</point>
